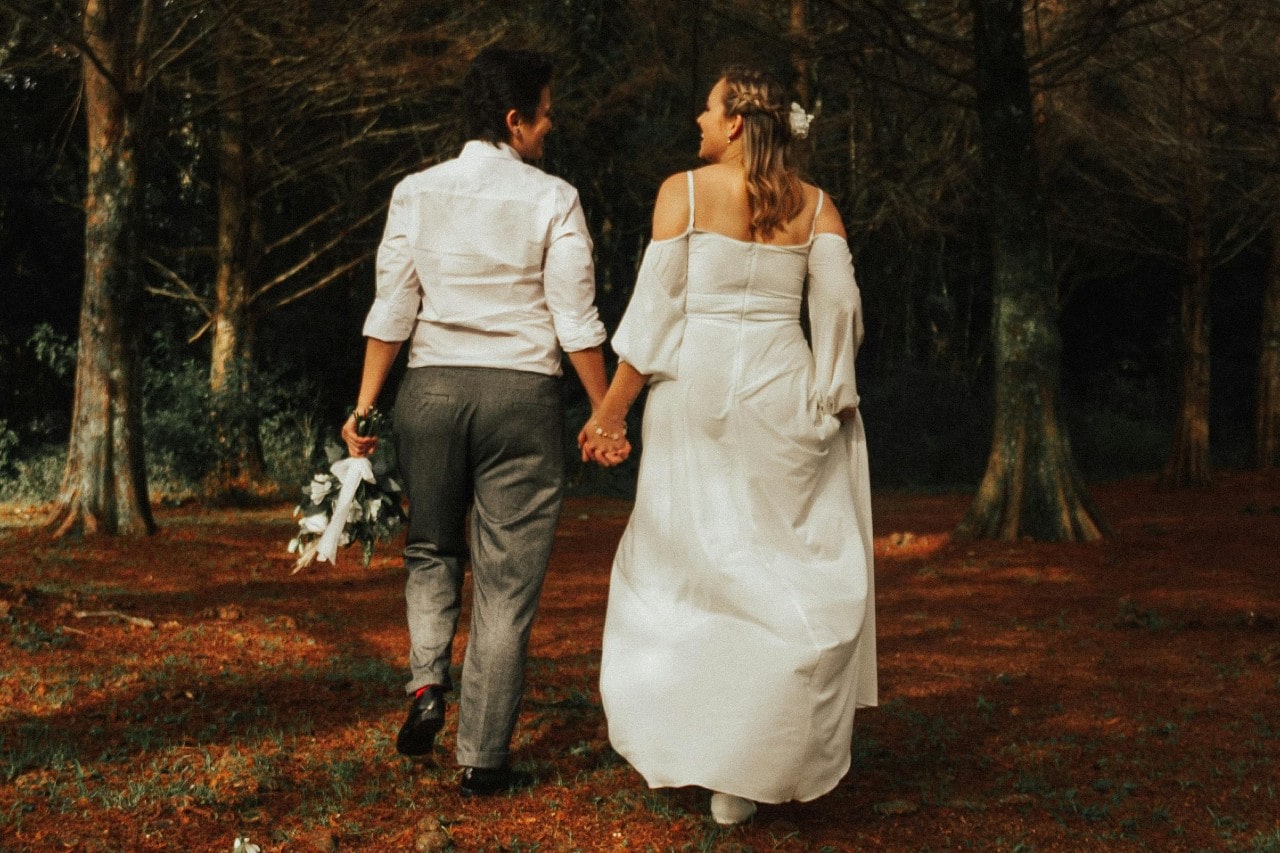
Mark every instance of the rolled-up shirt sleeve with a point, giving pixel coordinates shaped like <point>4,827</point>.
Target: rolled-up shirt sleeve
<point>569,281</point>
<point>399,294</point>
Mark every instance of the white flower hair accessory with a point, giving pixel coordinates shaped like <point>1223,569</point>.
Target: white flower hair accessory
<point>799,121</point>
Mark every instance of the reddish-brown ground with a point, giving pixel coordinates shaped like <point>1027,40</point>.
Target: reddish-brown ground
<point>1122,695</point>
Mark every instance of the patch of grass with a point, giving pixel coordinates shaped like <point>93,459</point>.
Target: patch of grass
<point>1227,826</point>
<point>1033,779</point>
<point>1264,727</point>
<point>1130,615</point>
<point>1161,729</point>
<point>1020,845</point>
<point>34,746</point>
<point>1265,842</point>
<point>1228,670</point>
<point>344,669</point>
<point>663,804</point>
<point>32,637</point>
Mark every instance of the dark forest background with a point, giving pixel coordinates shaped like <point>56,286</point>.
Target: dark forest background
<point>263,140</point>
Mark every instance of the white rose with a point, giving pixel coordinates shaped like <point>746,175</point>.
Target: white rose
<point>321,485</point>
<point>314,523</point>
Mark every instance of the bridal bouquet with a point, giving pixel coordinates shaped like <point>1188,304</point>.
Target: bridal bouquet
<point>354,500</point>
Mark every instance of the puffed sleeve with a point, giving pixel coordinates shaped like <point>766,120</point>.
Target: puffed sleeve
<point>835,320</point>
<point>652,329</point>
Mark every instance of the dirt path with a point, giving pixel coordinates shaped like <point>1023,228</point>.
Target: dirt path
<point>1117,696</point>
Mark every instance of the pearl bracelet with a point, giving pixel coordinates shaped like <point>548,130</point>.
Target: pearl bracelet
<point>612,436</point>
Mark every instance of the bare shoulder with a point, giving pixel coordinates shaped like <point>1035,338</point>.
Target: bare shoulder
<point>829,220</point>
<point>671,210</point>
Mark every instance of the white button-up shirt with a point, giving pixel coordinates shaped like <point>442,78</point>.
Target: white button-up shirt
<point>486,262</point>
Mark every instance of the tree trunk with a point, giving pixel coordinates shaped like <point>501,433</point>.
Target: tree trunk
<point>1188,463</point>
<point>231,360</point>
<point>1267,434</point>
<point>104,488</point>
<point>1031,487</point>
<point>1268,418</point>
<point>799,33</point>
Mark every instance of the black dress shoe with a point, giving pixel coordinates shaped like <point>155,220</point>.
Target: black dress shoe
<point>426,718</point>
<point>487,781</point>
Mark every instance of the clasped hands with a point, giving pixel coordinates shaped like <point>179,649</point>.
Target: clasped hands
<point>604,444</point>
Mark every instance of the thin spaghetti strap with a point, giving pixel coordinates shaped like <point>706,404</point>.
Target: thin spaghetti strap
<point>813,229</point>
<point>689,229</point>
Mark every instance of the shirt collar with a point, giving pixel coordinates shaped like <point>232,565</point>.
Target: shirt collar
<point>479,148</point>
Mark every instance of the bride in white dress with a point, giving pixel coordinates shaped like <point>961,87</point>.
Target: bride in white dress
<point>740,634</point>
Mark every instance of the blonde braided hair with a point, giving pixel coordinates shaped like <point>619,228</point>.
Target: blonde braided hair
<point>774,192</point>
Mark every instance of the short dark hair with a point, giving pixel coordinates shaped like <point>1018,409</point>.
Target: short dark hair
<point>498,81</point>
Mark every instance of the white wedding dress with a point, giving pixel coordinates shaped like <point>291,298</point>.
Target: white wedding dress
<point>740,633</point>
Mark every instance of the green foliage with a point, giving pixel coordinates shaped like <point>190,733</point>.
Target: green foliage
<point>33,476</point>
<point>8,442</point>
<point>54,350</point>
<point>35,377</point>
<point>1110,444</point>
<point>290,437</point>
<point>181,432</point>
<point>178,423</point>
<point>181,441</point>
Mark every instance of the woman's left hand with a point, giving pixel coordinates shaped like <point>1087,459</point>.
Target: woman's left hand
<point>603,448</point>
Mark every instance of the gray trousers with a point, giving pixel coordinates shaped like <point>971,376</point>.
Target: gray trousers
<point>482,443</point>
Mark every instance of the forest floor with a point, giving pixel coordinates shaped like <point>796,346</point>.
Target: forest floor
<point>1121,695</point>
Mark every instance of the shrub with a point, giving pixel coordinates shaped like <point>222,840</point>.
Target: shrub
<point>34,475</point>
<point>8,443</point>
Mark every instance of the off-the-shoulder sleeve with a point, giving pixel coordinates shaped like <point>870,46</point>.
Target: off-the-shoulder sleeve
<point>652,329</point>
<point>835,319</point>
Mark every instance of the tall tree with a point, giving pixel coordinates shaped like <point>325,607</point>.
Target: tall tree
<point>1267,422</point>
<point>1163,137</point>
<point>121,45</point>
<point>313,111</point>
<point>1267,418</point>
<point>1031,486</point>
<point>239,247</point>
<point>1188,463</point>
<point>104,488</point>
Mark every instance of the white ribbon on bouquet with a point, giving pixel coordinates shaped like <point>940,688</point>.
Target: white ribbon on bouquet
<point>350,472</point>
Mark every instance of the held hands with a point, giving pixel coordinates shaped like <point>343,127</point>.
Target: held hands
<point>604,445</point>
